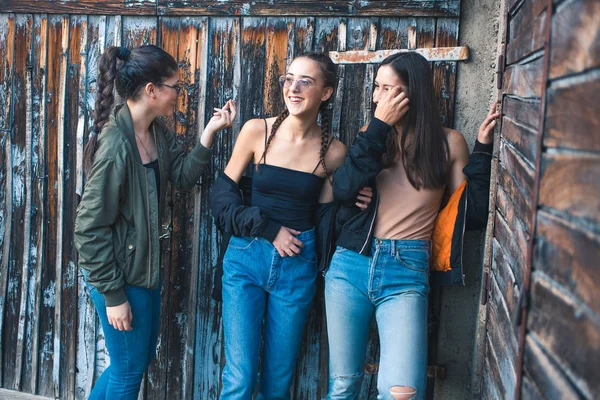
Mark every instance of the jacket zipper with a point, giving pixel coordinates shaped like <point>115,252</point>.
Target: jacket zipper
<point>149,227</point>
<point>370,227</point>
<point>462,238</point>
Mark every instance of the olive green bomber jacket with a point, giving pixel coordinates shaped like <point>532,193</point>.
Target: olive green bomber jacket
<point>118,218</point>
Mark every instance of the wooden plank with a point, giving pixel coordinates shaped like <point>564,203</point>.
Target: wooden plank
<point>575,46</point>
<point>223,78</point>
<point>524,80</point>
<point>276,50</point>
<point>64,278</point>
<point>393,33</point>
<point>200,65</point>
<point>90,340</point>
<point>567,330</point>
<point>425,32</point>
<point>564,175</point>
<point>336,114</point>
<point>396,8</point>
<point>550,381</point>
<point>15,164</point>
<point>74,45</point>
<point>444,72</point>
<point>502,338</point>
<point>503,267</point>
<point>138,31</point>
<point>572,120</point>
<point>492,385</point>
<point>253,63</point>
<point>520,22</point>
<point>355,94</point>
<point>523,139</point>
<point>38,188</point>
<point>191,31</point>
<point>7,43</point>
<point>567,253</point>
<point>86,317</point>
<point>303,36</point>
<point>529,40</point>
<point>14,395</point>
<point>512,203</point>
<point>104,7</point>
<point>460,53</point>
<point>525,113</point>
<point>48,328</point>
<point>528,390</point>
<point>326,34</point>
<point>16,297</point>
<point>513,243</point>
<point>521,172</point>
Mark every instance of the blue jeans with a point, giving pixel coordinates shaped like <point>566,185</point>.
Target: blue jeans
<point>130,351</point>
<point>393,285</point>
<point>259,284</point>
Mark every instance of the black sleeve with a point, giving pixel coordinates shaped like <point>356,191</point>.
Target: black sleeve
<point>362,164</point>
<point>478,172</point>
<point>232,216</point>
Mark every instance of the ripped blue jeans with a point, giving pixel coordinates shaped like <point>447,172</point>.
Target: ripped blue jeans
<point>391,285</point>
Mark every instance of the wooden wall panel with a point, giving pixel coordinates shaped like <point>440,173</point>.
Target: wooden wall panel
<point>567,330</point>
<point>575,44</point>
<point>52,343</point>
<point>572,117</point>
<point>570,183</point>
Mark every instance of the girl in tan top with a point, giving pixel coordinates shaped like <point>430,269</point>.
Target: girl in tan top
<point>414,165</point>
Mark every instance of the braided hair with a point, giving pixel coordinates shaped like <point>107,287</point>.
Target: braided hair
<point>329,71</point>
<point>129,71</point>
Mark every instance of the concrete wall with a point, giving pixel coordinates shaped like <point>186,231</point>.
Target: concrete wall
<point>476,90</point>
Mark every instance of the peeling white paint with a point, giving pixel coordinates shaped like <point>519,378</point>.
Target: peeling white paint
<point>50,295</point>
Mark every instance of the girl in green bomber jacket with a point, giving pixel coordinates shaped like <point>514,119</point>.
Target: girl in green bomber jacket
<point>129,159</point>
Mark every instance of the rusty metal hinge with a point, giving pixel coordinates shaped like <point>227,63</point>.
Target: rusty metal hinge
<point>485,293</point>
<point>500,72</point>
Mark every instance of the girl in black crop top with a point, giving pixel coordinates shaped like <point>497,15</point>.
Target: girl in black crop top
<point>270,266</point>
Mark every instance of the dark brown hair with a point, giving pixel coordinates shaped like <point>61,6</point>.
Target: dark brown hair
<point>329,71</point>
<point>136,68</point>
<point>423,146</point>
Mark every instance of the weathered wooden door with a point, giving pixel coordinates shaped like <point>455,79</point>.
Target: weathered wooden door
<point>51,342</point>
<point>543,315</point>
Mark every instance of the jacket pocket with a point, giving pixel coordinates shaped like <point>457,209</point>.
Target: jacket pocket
<point>130,246</point>
<point>414,259</point>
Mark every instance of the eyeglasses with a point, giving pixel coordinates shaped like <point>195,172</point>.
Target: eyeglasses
<point>302,85</point>
<point>176,88</point>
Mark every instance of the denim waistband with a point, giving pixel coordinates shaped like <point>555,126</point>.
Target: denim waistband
<point>391,245</point>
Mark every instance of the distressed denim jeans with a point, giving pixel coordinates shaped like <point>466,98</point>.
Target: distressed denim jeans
<point>260,285</point>
<point>391,285</point>
<point>130,351</point>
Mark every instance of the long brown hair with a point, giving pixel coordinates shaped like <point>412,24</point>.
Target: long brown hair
<point>423,144</point>
<point>329,72</point>
<point>129,71</point>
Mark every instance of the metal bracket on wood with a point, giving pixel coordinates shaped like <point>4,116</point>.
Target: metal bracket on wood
<point>460,53</point>
<point>500,72</point>
<point>485,293</point>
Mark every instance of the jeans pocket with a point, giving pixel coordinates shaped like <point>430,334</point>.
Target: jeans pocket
<point>241,243</point>
<point>414,259</point>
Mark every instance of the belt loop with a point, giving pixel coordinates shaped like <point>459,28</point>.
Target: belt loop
<point>393,247</point>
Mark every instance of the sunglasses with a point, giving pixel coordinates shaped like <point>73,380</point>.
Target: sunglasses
<point>176,88</point>
<point>302,85</point>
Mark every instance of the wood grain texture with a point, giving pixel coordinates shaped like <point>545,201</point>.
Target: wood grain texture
<point>575,45</point>
<point>571,114</point>
<point>563,176</point>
